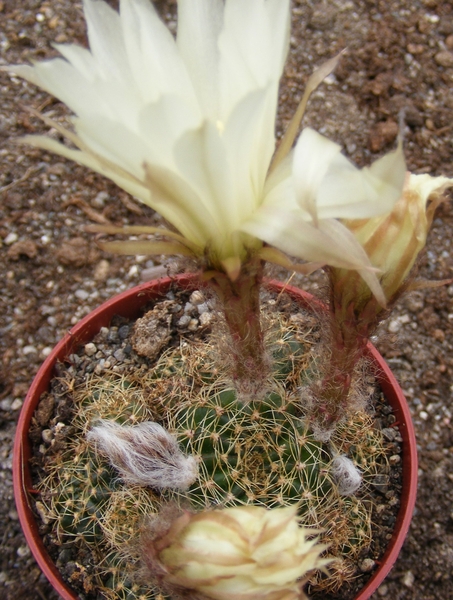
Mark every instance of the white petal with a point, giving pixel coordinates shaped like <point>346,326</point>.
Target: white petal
<point>201,159</point>
<point>350,193</point>
<point>154,61</point>
<point>180,205</point>
<point>129,184</point>
<point>199,26</point>
<point>313,156</point>
<point>105,37</point>
<point>164,122</point>
<point>253,46</point>
<point>250,142</point>
<point>330,243</point>
<point>80,58</point>
<point>115,142</point>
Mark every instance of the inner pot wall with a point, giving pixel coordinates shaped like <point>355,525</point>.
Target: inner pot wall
<point>129,304</point>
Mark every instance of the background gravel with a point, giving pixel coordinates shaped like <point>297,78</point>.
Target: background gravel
<point>399,55</point>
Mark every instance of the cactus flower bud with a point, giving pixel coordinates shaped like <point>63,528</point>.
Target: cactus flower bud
<point>246,552</point>
<point>394,241</point>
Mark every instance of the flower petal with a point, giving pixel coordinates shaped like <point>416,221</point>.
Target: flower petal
<point>313,156</point>
<point>199,26</point>
<point>330,243</point>
<point>350,193</point>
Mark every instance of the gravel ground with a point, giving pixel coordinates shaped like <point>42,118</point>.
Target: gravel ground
<point>399,55</point>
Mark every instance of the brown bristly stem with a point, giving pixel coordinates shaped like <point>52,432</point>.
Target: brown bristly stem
<point>239,301</point>
<point>354,314</point>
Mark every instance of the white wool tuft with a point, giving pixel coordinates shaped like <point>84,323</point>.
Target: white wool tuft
<point>346,474</point>
<point>145,454</point>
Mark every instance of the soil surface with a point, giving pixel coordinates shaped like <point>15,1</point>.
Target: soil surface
<point>399,56</point>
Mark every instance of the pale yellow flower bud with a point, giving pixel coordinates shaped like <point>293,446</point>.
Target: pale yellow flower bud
<point>246,552</point>
<point>394,241</point>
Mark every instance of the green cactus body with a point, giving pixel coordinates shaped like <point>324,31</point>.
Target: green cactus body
<point>255,452</point>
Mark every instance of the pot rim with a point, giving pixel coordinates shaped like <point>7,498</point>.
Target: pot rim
<point>131,301</point>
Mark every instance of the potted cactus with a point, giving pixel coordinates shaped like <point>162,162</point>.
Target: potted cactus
<point>225,464</point>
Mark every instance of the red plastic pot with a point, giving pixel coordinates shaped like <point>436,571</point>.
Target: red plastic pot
<point>129,304</point>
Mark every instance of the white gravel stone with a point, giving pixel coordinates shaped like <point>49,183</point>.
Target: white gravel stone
<point>17,404</point>
<point>81,294</point>
<point>11,238</point>
<point>90,349</point>
<point>29,350</point>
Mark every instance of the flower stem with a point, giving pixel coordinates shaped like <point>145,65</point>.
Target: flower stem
<point>353,317</point>
<point>240,304</point>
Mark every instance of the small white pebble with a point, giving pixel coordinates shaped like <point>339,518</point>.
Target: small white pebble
<point>196,298</point>
<point>90,349</point>
<point>184,321</point>
<point>23,551</point>
<point>11,238</point>
<point>45,352</point>
<point>202,308</point>
<point>81,294</point>
<point>394,326</point>
<point>205,318</point>
<point>29,350</point>
<point>47,436</point>
<point>423,415</point>
<point>367,565</point>
<point>17,404</point>
<point>408,579</point>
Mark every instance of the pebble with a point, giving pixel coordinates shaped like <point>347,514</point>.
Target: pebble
<point>196,298</point>
<point>29,350</point>
<point>383,590</point>
<point>11,238</point>
<point>6,404</point>
<point>153,273</point>
<point>23,551</point>
<point>389,433</point>
<point>205,318</point>
<point>90,349</point>
<point>123,332</point>
<point>444,58</point>
<point>17,404</point>
<point>47,436</point>
<point>395,459</point>
<point>367,565</point>
<point>81,294</point>
<point>423,415</point>
<point>394,326</point>
<point>101,270</point>
<point>202,308</point>
<point>184,321</point>
<point>408,579</point>
<point>119,355</point>
<point>193,325</point>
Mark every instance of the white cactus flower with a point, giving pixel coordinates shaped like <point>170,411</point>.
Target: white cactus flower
<point>245,552</point>
<point>187,126</point>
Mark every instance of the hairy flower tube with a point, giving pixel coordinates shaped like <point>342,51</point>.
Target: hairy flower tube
<point>393,243</point>
<point>187,126</point>
<point>246,553</point>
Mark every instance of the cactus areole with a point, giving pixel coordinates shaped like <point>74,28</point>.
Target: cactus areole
<point>129,305</point>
